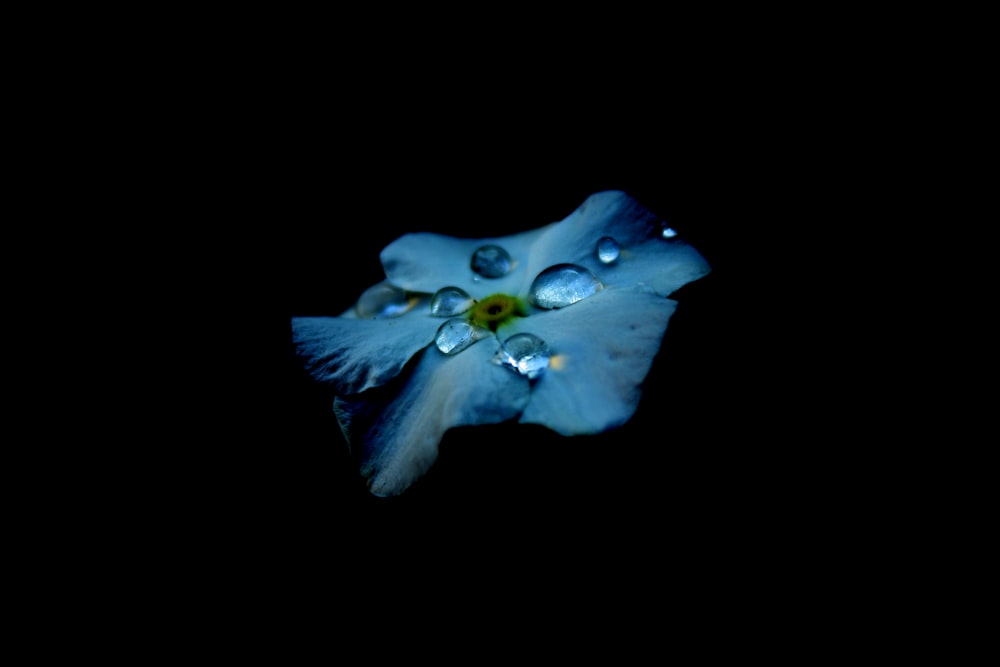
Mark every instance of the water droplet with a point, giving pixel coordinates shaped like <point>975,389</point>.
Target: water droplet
<point>563,284</point>
<point>526,353</point>
<point>607,250</point>
<point>667,232</point>
<point>456,334</point>
<point>450,301</point>
<point>491,261</point>
<point>382,301</point>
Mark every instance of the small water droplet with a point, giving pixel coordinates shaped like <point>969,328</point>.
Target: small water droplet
<point>491,261</point>
<point>457,334</point>
<point>667,232</point>
<point>563,284</point>
<point>450,301</point>
<point>526,353</point>
<point>607,250</point>
<point>382,301</point>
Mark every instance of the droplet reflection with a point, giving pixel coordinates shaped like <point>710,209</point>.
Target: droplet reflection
<point>563,284</point>
<point>525,353</point>
<point>457,334</point>
<point>491,261</point>
<point>607,250</point>
<point>382,301</point>
<point>450,301</point>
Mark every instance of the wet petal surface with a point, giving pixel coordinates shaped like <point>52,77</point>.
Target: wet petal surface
<point>354,354</point>
<point>601,350</point>
<point>643,255</point>
<point>425,262</point>
<point>398,432</point>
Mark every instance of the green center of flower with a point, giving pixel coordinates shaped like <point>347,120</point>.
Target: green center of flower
<point>496,310</point>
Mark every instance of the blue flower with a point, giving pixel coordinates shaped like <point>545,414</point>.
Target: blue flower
<point>556,326</point>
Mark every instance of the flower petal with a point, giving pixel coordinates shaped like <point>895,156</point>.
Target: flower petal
<point>426,262</point>
<point>399,431</point>
<point>603,348</point>
<point>355,354</point>
<point>645,257</point>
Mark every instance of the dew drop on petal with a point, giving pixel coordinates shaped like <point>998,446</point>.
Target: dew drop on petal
<point>563,284</point>
<point>491,261</point>
<point>667,232</point>
<point>382,301</point>
<point>607,250</point>
<point>526,353</point>
<point>457,334</point>
<point>450,301</point>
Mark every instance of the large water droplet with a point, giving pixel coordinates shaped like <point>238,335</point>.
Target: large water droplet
<point>562,285</point>
<point>450,301</point>
<point>491,261</point>
<point>607,250</point>
<point>383,301</point>
<point>526,353</point>
<point>457,334</point>
<point>667,231</point>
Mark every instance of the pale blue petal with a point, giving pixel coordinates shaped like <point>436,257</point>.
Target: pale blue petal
<point>426,262</point>
<point>399,431</point>
<point>645,259</point>
<point>354,354</point>
<point>603,348</point>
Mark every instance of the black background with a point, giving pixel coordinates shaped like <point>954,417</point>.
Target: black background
<point>274,183</point>
<point>305,185</point>
<point>720,424</point>
<point>732,458</point>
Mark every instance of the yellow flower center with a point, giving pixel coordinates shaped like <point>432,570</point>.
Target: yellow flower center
<point>495,310</point>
